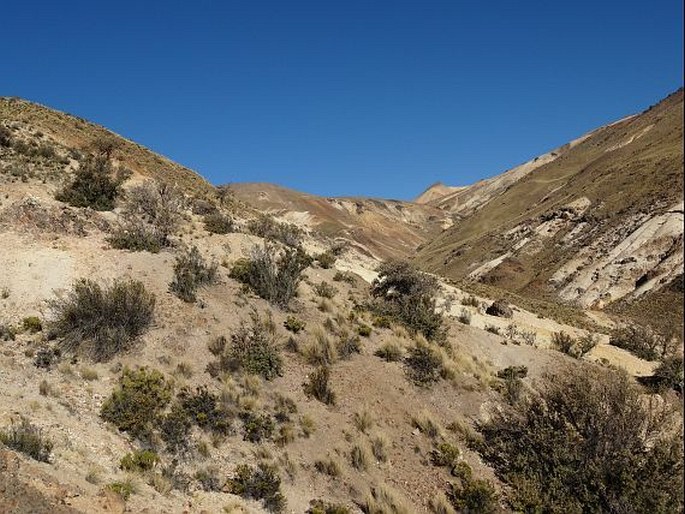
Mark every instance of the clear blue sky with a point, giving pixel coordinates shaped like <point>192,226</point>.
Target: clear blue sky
<point>377,98</point>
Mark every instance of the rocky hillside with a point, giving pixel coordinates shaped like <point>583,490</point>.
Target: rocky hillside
<point>597,223</point>
<point>41,127</point>
<point>164,348</point>
<point>378,228</point>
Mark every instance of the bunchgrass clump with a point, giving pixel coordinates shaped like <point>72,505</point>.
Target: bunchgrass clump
<point>28,439</point>
<point>360,457</point>
<point>390,352</point>
<point>320,350</point>
<point>318,386</point>
<point>383,500</point>
<point>329,466</point>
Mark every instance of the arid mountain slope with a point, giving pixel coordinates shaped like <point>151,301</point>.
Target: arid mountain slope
<point>436,192</point>
<point>594,222</point>
<point>380,228</point>
<point>74,133</point>
<point>250,402</point>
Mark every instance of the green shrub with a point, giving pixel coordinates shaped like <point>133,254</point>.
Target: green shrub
<point>209,480</point>
<point>424,364</point>
<point>217,223</point>
<point>445,455</point>
<point>324,507</point>
<point>136,403</point>
<point>474,496</point>
<point>47,357</point>
<point>407,295</point>
<point>326,259</point>
<point>325,290</point>
<point>27,439</point>
<point>642,341</point>
<point>585,344</point>
<point>294,324</point>
<point>513,372</point>
<point>389,352</point>
<point>260,483</point>
<point>512,386</point>
<point>318,386</point>
<point>606,446</point>
<point>32,324</point>
<point>175,429</point>
<point>124,488</point>
<point>96,184</point>
<point>190,273</point>
<point>252,348</point>
<point>101,322</point>
<point>204,410</point>
<point>381,322</point>
<point>268,228</point>
<point>5,136</point>
<point>364,330</point>
<point>669,374</point>
<point>139,461</point>
<point>272,276</point>
<point>576,348</point>
<point>104,146</point>
<point>343,276</point>
<point>257,427</point>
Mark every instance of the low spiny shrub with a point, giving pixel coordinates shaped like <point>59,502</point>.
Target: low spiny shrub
<point>101,322</point>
